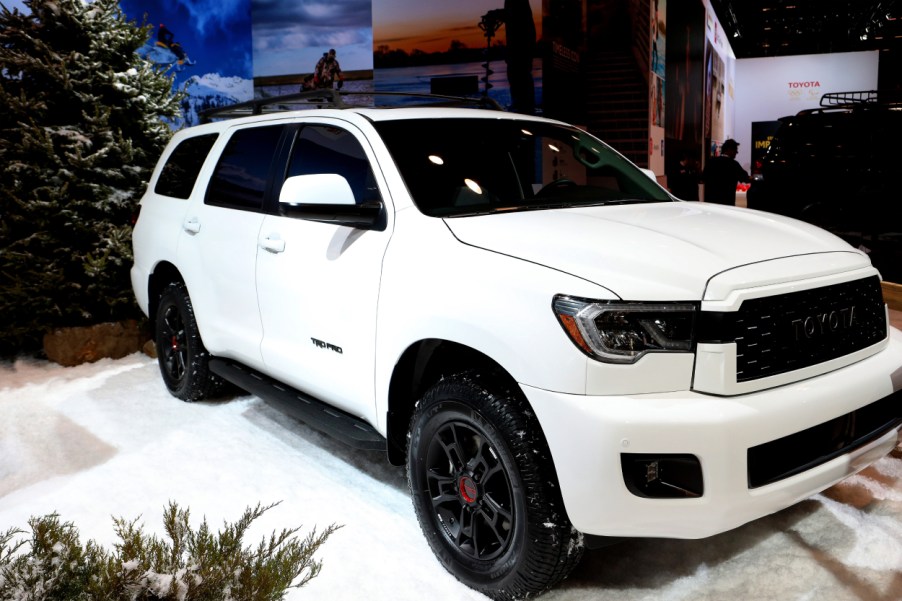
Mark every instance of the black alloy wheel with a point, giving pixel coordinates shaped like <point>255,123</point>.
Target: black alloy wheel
<point>470,491</point>
<point>173,349</point>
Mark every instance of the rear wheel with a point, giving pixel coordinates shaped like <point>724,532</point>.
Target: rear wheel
<point>484,489</point>
<point>181,353</point>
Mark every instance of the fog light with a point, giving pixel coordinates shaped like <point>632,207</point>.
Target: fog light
<point>662,476</point>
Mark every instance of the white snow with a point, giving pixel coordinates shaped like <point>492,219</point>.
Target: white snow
<point>237,89</point>
<point>212,90</point>
<point>106,439</point>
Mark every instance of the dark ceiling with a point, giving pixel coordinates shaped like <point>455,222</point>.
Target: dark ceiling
<point>759,28</point>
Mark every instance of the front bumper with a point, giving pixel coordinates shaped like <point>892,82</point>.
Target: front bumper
<point>588,434</point>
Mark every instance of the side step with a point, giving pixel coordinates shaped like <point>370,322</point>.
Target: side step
<point>313,412</point>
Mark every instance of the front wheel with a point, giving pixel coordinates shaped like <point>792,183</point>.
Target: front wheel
<point>484,489</point>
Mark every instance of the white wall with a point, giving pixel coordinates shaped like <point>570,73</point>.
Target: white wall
<point>773,87</point>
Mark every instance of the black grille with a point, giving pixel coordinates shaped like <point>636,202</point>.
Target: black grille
<point>778,334</point>
<point>784,457</point>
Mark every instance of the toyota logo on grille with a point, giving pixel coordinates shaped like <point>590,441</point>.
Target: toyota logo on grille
<point>822,324</point>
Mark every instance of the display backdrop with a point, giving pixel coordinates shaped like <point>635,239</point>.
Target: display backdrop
<point>240,48</point>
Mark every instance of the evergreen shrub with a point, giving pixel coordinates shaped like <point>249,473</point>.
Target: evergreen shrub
<point>81,129</point>
<point>193,565</point>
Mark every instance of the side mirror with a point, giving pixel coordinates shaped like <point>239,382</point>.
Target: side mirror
<point>319,188</point>
<point>328,198</point>
<point>651,174</point>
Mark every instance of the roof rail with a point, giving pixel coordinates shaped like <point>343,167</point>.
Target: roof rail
<point>329,98</point>
<point>844,98</point>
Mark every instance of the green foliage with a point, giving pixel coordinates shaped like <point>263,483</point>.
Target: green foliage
<point>191,566</point>
<point>81,130</point>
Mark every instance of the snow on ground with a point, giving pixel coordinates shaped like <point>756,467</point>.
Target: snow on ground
<point>103,440</point>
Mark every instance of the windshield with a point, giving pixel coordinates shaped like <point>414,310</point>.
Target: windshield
<point>456,167</point>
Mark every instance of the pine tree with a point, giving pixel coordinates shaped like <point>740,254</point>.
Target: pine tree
<point>81,129</point>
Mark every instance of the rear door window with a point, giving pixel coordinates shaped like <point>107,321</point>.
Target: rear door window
<point>241,176</point>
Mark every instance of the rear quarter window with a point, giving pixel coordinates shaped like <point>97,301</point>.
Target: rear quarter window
<point>183,165</point>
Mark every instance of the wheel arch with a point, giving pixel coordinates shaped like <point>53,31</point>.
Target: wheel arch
<point>163,274</point>
<point>420,366</point>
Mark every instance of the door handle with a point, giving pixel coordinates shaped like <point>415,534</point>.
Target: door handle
<point>273,244</point>
<point>191,225</point>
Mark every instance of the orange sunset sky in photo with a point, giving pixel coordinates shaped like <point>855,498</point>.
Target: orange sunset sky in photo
<point>431,25</point>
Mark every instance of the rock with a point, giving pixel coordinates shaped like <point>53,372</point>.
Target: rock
<point>74,346</point>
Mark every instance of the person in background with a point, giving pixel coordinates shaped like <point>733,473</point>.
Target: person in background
<point>327,71</point>
<point>684,181</point>
<point>722,173</point>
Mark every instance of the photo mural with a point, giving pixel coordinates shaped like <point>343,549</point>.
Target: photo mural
<point>576,60</point>
<point>204,44</point>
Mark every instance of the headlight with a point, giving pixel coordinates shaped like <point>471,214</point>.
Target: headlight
<point>621,332</point>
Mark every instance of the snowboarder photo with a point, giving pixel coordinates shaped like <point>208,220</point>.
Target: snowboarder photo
<point>166,51</point>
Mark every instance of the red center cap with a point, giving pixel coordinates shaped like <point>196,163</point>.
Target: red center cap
<point>468,489</point>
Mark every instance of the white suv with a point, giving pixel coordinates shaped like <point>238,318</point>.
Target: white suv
<point>557,349</point>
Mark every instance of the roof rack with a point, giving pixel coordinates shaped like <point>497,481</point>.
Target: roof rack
<point>845,98</point>
<point>329,98</point>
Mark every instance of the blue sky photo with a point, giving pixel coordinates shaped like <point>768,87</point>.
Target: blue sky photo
<point>11,4</point>
<point>291,35</point>
<point>214,33</point>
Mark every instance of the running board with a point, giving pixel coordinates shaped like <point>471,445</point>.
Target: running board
<point>313,412</point>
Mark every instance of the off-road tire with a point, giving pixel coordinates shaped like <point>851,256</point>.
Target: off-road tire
<point>484,488</point>
<point>183,359</point>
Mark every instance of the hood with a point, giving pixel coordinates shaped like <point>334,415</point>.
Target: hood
<point>651,251</point>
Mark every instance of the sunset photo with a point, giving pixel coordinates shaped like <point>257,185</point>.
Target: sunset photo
<point>469,48</point>
<point>431,27</point>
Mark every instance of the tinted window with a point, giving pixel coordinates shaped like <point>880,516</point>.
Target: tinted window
<point>326,149</point>
<point>243,170</point>
<point>466,166</point>
<point>180,171</point>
